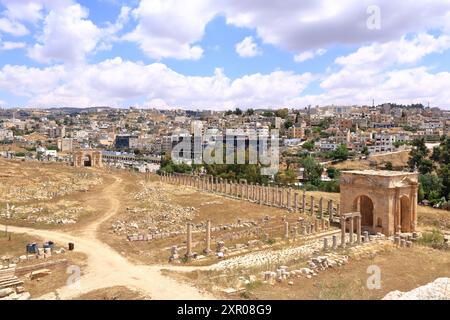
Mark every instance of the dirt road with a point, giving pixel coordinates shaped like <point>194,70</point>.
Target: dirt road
<point>107,268</point>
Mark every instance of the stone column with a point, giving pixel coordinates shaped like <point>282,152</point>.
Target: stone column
<point>189,240</point>
<point>358,230</point>
<point>274,202</point>
<point>351,230</point>
<point>296,202</point>
<point>312,205</point>
<point>280,197</point>
<point>334,242</point>
<point>325,244</point>
<point>398,211</point>
<point>289,194</point>
<point>330,210</point>
<point>208,237</point>
<point>321,208</point>
<point>260,194</point>
<point>286,230</point>
<point>266,194</point>
<point>343,223</point>
<point>316,225</point>
<point>246,191</point>
<point>304,202</point>
<point>305,230</point>
<point>366,236</point>
<point>415,189</point>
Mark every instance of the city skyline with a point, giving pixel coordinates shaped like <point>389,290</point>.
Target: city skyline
<point>217,57</point>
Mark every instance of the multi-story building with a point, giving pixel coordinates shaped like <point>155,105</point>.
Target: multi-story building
<point>6,135</point>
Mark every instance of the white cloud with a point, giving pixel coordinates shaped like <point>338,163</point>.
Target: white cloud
<point>366,66</point>
<point>12,27</point>
<point>68,36</point>
<point>115,81</point>
<point>23,10</point>
<point>307,55</point>
<point>308,25</point>
<point>416,85</point>
<point>170,28</point>
<point>9,45</point>
<point>248,48</point>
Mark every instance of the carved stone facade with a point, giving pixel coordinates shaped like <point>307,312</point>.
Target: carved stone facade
<point>87,158</point>
<point>387,200</point>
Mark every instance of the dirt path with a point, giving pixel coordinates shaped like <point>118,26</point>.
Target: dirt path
<point>107,268</point>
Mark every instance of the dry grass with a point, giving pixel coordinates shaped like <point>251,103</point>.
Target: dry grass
<point>401,269</point>
<point>58,277</point>
<point>399,160</point>
<point>17,245</point>
<point>429,218</point>
<point>218,209</point>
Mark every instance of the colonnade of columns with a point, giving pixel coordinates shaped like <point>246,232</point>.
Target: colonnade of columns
<point>274,196</point>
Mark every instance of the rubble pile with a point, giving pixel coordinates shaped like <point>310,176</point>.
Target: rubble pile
<point>316,264</point>
<point>50,187</point>
<point>436,290</point>
<point>17,293</point>
<point>154,214</point>
<point>62,212</point>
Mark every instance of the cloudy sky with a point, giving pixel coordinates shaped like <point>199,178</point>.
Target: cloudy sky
<point>220,54</point>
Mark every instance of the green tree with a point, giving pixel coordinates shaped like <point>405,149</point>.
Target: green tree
<point>333,173</point>
<point>282,113</point>
<point>365,151</point>
<point>418,154</point>
<point>388,166</point>
<point>268,114</point>
<point>444,173</point>
<point>308,145</point>
<point>312,170</point>
<point>341,153</point>
<point>430,182</point>
<point>425,166</point>
<point>286,177</point>
<point>288,124</point>
<point>250,112</point>
<point>238,112</point>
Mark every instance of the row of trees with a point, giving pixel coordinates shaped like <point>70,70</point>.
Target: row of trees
<point>434,169</point>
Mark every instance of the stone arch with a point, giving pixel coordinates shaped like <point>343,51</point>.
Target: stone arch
<point>379,223</point>
<point>365,205</point>
<point>87,160</point>
<point>405,214</point>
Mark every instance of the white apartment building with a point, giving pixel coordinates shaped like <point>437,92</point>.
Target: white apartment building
<point>6,134</point>
<point>382,142</point>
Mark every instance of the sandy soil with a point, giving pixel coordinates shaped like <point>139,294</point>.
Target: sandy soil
<point>107,268</point>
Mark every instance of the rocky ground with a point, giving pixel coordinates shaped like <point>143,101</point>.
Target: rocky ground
<point>436,290</point>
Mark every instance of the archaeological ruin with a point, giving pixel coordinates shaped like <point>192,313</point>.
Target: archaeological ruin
<point>87,158</point>
<point>386,200</point>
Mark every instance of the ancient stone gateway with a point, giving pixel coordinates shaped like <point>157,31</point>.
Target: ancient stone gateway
<point>387,200</point>
<point>87,158</point>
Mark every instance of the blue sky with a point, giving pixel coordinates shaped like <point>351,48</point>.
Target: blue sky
<point>221,54</point>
